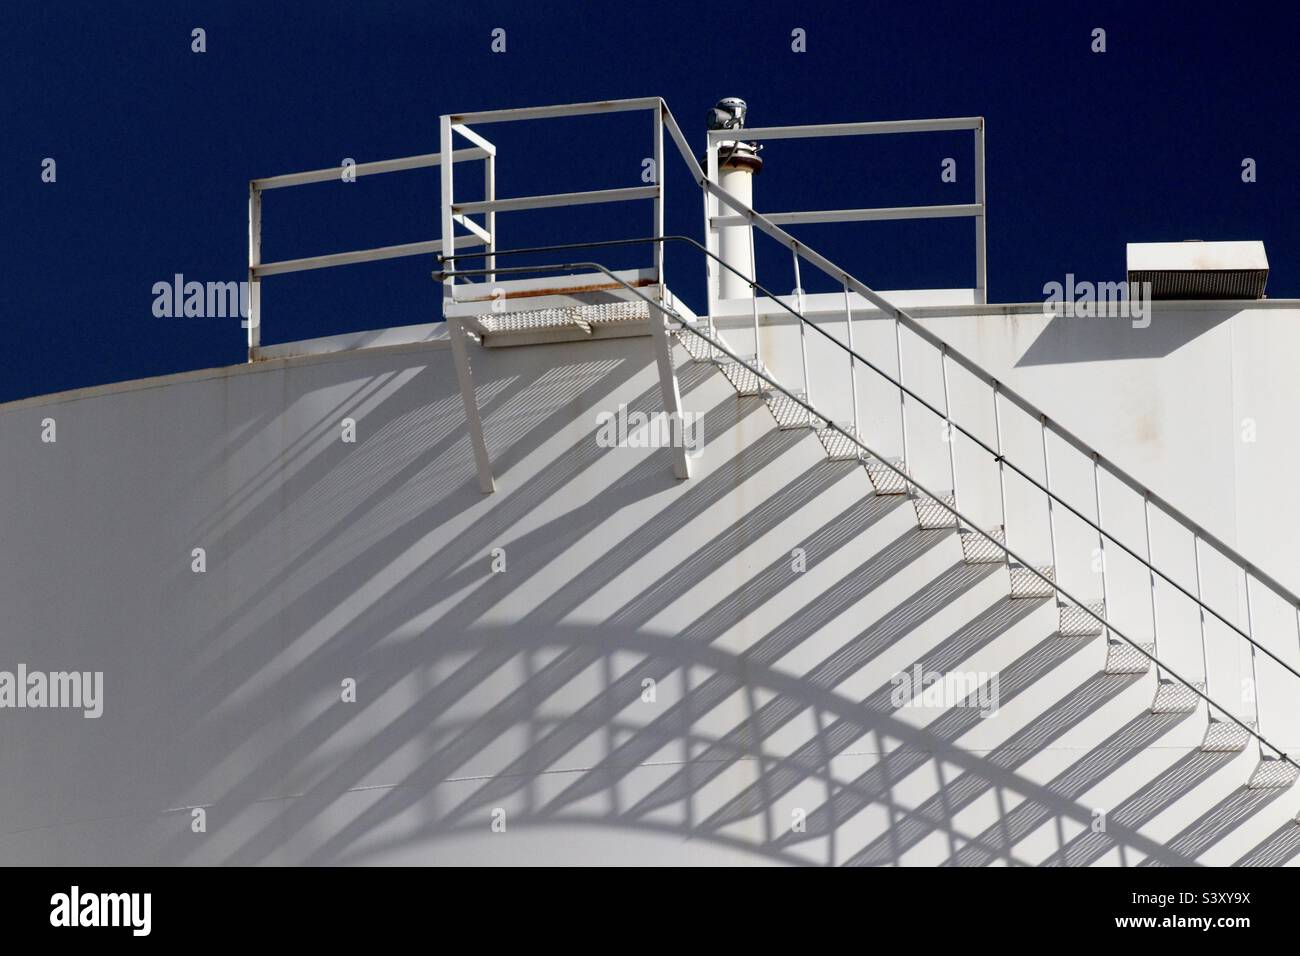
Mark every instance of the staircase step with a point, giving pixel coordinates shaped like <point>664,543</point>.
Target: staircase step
<point>884,479</point>
<point>1273,773</point>
<point>1223,736</point>
<point>1026,584</point>
<point>698,349</point>
<point>1173,697</point>
<point>838,446</point>
<point>1074,621</point>
<point>787,412</point>
<point>931,515</point>
<point>1123,658</point>
<point>741,376</point>
<point>978,549</point>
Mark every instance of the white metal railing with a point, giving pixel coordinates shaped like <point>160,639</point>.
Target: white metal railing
<point>1000,395</point>
<point>456,213</point>
<point>258,270</point>
<point>975,210</point>
<point>917,487</point>
<point>715,198</point>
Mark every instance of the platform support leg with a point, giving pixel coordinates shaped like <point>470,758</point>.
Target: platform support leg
<point>668,385</point>
<point>465,376</point>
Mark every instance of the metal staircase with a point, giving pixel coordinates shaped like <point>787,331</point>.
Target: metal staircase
<point>938,494</point>
<point>1174,694</point>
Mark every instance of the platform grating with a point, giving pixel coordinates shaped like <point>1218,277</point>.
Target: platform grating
<point>584,317</point>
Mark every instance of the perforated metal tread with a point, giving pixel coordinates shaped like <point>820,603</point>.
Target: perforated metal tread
<point>584,317</point>
<point>1074,621</point>
<point>839,447</point>
<point>1173,697</point>
<point>1123,658</point>
<point>1224,736</point>
<point>742,377</point>
<point>977,549</point>
<point>788,412</point>
<point>1273,773</point>
<point>930,514</point>
<point>884,479</point>
<point>1026,584</point>
<point>698,349</point>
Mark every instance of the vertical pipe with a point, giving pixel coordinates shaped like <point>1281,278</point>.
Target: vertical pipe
<point>1002,477</point>
<point>253,321</point>
<point>1101,538</point>
<point>949,436</point>
<point>981,247</point>
<point>853,376</point>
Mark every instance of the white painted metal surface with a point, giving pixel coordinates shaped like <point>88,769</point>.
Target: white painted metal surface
<point>519,689</point>
<point>480,691</point>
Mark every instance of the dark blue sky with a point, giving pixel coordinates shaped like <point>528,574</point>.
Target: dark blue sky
<point>155,145</point>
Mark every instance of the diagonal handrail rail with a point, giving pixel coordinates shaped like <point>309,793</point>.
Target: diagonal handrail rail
<point>997,457</point>
<point>844,277</point>
<point>694,328</point>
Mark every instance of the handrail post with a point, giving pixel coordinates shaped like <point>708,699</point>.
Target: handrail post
<point>1254,674</point>
<point>672,395</point>
<point>753,297</point>
<point>949,435</point>
<point>1205,655</point>
<point>253,321</point>
<point>455,325</point>
<point>981,245</point>
<point>490,217</point>
<point>803,337</point>
<point>1051,512</point>
<point>1101,540</point>
<point>1151,577</point>
<point>853,373</point>
<point>712,271</point>
<point>657,223</point>
<point>1002,477</point>
<point>902,394</point>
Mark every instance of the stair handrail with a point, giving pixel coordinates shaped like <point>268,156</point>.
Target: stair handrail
<point>694,328</point>
<point>834,271</point>
<point>999,458</point>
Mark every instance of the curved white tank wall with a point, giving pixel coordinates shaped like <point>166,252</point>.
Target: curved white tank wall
<point>520,695</point>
